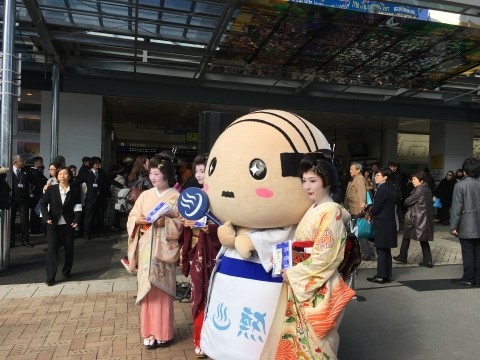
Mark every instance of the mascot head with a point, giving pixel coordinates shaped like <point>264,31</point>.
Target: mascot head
<point>252,170</point>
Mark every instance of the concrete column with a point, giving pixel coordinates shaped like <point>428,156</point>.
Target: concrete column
<point>389,145</point>
<point>211,125</point>
<point>450,144</point>
<point>80,128</point>
<point>55,110</point>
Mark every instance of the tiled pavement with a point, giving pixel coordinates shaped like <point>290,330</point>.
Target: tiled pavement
<point>99,320</point>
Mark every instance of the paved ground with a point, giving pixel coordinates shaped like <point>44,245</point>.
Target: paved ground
<point>421,315</point>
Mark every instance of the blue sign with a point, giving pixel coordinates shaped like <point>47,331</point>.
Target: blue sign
<point>368,6</point>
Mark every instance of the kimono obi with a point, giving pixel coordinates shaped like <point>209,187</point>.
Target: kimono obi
<point>301,251</point>
<point>245,269</point>
<point>195,235</point>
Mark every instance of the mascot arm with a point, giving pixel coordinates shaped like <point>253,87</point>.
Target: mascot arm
<point>226,234</point>
<point>264,239</point>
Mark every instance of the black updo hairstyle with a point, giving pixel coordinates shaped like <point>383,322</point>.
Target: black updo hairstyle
<point>166,168</point>
<point>320,163</point>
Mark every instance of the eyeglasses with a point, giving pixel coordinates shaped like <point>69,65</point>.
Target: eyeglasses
<point>52,169</point>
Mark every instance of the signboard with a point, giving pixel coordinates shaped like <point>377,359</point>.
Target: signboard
<point>373,7</point>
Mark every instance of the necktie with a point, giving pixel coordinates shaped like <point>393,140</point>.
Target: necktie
<point>18,173</point>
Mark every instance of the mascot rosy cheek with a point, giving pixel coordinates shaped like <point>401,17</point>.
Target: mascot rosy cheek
<point>253,186</point>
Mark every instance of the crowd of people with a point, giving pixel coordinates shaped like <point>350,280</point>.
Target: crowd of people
<point>412,200</point>
<point>74,204</point>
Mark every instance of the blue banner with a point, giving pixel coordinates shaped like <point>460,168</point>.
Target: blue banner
<point>368,6</point>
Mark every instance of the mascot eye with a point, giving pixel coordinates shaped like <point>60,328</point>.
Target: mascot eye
<point>258,169</point>
<point>212,166</point>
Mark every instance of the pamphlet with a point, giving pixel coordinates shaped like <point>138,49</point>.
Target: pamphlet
<point>200,223</point>
<point>282,257</point>
<point>159,210</point>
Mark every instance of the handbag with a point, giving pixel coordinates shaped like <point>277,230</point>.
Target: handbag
<point>134,194</point>
<point>365,230</point>
<point>352,257</point>
<point>437,203</point>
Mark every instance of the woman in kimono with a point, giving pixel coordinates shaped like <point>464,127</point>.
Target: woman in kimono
<point>199,250</point>
<point>313,294</point>
<point>155,248</point>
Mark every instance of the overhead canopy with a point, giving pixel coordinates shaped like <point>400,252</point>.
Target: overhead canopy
<point>330,48</point>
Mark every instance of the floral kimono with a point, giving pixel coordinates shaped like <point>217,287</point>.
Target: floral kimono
<point>156,251</point>
<point>311,303</point>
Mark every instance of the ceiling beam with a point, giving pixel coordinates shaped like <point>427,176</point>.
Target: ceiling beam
<point>37,19</point>
<point>228,11</point>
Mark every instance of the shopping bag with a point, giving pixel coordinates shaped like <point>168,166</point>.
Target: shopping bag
<point>437,203</point>
<point>365,229</point>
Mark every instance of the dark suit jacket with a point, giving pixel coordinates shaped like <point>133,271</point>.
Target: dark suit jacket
<point>103,181</point>
<point>26,178</point>
<point>383,210</point>
<point>57,209</point>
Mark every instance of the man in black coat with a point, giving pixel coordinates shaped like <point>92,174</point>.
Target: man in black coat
<point>383,210</point>
<point>96,199</point>
<point>21,180</point>
<point>85,166</point>
<point>37,192</point>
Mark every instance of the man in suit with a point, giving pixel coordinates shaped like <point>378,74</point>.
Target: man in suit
<point>96,200</point>
<point>21,180</point>
<point>37,192</point>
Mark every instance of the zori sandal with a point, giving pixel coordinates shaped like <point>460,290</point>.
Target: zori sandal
<point>199,353</point>
<point>149,343</point>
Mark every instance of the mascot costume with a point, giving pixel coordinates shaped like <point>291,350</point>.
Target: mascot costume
<point>253,186</point>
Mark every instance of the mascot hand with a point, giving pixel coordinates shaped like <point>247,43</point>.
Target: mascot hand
<point>226,234</point>
<point>244,246</point>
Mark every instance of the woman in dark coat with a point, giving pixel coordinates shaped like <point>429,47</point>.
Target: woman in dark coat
<point>383,210</point>
<point>444,192</point>
<point>418,220</point>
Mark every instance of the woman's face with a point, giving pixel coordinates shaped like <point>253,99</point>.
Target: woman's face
<point>74,171</point>
<point>200,173</point>
<point>146,164</point>
<point>313,185</point>
<point>449,176</point>
<point>157,179</point>
<point>416,182</point>
<point>63,176</point>
<point>51,170</point>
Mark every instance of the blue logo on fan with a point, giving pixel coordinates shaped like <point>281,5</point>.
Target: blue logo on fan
<point>191,204</point>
